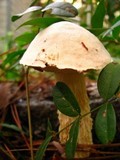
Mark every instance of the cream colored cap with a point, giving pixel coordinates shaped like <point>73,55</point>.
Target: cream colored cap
<point>65,45</point>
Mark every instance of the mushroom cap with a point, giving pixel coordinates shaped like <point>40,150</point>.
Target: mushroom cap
<point>66,46</point>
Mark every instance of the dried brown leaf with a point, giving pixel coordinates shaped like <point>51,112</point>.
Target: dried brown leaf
<point>5,95</point>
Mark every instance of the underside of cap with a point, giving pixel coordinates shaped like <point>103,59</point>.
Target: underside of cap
<point>66,46</point>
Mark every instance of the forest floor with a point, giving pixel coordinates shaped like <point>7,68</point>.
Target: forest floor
<point>14,135</point>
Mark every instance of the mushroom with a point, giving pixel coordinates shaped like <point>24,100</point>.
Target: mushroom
<point>69,50</point>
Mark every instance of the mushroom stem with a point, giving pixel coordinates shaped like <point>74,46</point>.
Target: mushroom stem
<point>76,82</point>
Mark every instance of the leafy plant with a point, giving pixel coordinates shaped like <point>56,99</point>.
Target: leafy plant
<point>108,87</point>
<point>105,123</point>
<point>68,105</point>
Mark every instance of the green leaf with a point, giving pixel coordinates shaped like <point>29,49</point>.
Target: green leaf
<point>98,17</point>
<point>61,9</point>
<point>97,31</point>
<point>65,100</point>
<point>109,31</point>
<point>34,2</point>
<point>105,123</point>
<point>42,148</point>
<point>71,144</point>
<point>12,74</point>
<point>49,129</point>
<point>109,81</point>
<point>116,30</point>
<point>28,10</point>
<point>11,126</point>
<point>42,22</point>
<point>25,38</point>
<point>13,57</point>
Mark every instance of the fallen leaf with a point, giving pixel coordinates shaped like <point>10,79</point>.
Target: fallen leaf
<point>5,95</point>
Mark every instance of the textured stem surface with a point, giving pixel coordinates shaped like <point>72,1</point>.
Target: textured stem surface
<point>76,82</point>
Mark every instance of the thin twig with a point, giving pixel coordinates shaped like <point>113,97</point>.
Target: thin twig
<point>29,112</point>
<point>98,145</point>
<point>10,152</point>
<point>18,123</point>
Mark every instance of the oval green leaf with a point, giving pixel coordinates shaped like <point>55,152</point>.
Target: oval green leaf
<point>41,22</point>
<point>105,123</point>
<point>65,100</point>
<point>71,144</point>
<point>109,81</point>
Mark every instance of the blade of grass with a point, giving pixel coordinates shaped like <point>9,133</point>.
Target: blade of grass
<point>29,112</point>
<point>42,148</point>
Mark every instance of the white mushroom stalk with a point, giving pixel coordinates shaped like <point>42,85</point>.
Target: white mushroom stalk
<point>68,50</point>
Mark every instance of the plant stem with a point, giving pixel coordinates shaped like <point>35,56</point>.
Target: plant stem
<point>29,112</point>
<point>73,121</point>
